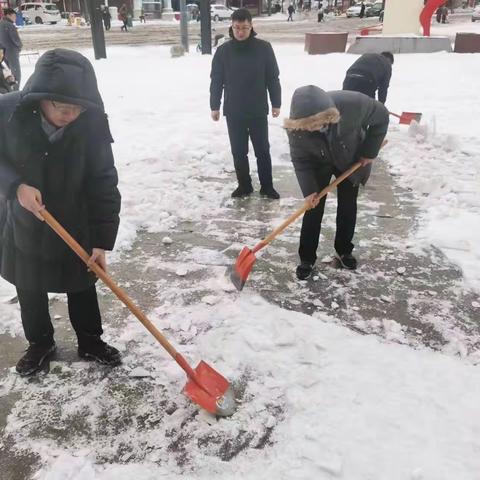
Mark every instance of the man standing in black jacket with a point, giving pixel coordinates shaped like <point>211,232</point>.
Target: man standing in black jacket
<point>328,132</point>
<point>10,39</point>
<point>55,149</point>
<point>244,69</point>
<point>371,72</point>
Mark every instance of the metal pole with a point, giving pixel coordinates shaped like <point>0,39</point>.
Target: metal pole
<point>184,25</point>
<point>96,26</point>
<point>205,27</point>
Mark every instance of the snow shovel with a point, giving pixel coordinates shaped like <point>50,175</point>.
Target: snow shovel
<point>246,259</point>
<point>205,386</point>
<point>406,118</point>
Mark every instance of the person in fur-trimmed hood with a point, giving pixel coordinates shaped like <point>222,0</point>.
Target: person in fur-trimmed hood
<point>55,150</point>
<point>328,132</point>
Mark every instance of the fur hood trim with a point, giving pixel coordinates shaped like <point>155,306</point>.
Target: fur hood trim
<point>314,122</point>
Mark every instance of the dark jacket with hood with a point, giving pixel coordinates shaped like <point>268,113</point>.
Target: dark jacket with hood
<point>75,175</point>
<point>357,127</point>
<point>244,71</point>
<point>377,69</point>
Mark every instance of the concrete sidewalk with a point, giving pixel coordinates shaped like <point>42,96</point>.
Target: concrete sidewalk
<point>397,294</point>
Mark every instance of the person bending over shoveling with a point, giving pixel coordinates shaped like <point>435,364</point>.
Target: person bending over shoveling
<point>55,149</point>
<point>328,132</point>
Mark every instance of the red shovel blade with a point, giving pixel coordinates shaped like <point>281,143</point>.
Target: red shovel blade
<point>210,390</point>
<point>242,268</point>
<point>406,118</point>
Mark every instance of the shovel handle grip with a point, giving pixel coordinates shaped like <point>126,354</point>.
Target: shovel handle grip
<point>123,297</point>
<point>306,207</point>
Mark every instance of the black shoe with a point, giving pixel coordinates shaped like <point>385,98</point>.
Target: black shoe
<point>348,261</point>
<point>269,192</point>
<point>34,358</point>
<point>100,351</point>
<point>304,270</point>
<point>242,191</point>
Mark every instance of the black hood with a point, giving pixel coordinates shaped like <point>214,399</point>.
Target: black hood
<point>311,109</point>
<point>66,76</point>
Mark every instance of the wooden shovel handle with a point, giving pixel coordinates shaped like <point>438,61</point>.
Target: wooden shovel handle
<point>395,114</point>
<point>306,206</point>
<point>77,248</point>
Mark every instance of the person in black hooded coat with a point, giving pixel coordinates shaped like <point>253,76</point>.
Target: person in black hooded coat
<point>55,150</point>
<point>328,132</point>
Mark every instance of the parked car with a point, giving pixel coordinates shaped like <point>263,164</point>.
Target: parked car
<point>476,14</point>
<point>374,10</point>
<point>220,12</point>
<point>355,10</point>
<point>41,12</point>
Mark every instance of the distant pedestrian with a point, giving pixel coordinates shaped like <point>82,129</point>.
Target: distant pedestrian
<point>371,72</point>
<point>320,14</point>
<point>439,14</point>
<point>142,16</point>
<point>122,16</point>
<point>362,10</point>
<point>107,17</point>
<point>291,11</point>
<point>11,42</point>
<point>444,14</point>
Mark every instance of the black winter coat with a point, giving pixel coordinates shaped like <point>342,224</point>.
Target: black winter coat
<point>360,131</point>
<point>75,175</point>
<point>245,71</point>
<point>376,68</point>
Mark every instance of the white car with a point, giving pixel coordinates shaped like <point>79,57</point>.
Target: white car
<point>355,10</point>
<point>476,14</point>
<point>41,12</point>
<point>220,12</point>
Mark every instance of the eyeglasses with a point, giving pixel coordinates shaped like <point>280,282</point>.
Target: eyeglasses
<point>68,108</point>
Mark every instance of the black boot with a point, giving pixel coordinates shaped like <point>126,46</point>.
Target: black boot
<point>269,192</point>
<point>348,261</point>
<point>304,270</point>
<point>242,191</point>
<point>94,348</point>
<point>35,357</point>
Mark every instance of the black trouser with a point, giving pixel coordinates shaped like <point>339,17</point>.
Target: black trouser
<point>107,24</point>
<point>346,220</point>
<point>360,84</point>
<point>239,129</point>
<point>82,309</point>
<point>125,25</point>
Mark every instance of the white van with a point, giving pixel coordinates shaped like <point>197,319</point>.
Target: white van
<point>41,12</point>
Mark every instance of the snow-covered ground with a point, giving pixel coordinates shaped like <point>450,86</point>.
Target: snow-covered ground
<point>343,405</point>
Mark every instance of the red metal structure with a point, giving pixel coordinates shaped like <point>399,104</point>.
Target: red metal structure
<point>426,15</point>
